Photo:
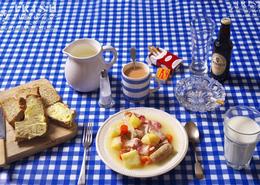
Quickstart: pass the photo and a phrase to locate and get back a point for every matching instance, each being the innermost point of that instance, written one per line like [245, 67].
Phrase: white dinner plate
[179, 134]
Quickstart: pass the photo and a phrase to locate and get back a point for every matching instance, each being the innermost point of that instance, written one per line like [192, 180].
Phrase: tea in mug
[136, 72]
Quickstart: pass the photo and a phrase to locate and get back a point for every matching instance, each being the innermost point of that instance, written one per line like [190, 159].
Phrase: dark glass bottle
[222, 51]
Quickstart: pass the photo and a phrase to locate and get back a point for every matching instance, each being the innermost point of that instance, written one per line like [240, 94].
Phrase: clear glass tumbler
[242, 132]
[202, 29]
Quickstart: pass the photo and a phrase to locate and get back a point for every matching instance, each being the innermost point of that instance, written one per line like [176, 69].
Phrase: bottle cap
[226, 21]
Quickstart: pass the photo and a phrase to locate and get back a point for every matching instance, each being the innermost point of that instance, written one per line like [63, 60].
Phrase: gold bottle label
[218, 64]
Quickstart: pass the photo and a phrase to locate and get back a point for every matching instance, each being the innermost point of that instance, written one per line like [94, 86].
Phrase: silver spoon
[194, 137]
[133, 55]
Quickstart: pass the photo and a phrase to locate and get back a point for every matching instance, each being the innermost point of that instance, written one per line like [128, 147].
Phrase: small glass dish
[200, 93]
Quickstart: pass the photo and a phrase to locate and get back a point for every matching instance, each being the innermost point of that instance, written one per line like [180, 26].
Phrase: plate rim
[186, 144]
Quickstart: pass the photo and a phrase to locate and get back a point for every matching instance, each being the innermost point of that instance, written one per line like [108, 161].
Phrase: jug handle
[114, 59]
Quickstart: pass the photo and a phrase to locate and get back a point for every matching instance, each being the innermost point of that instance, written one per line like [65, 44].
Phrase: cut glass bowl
[199, 93]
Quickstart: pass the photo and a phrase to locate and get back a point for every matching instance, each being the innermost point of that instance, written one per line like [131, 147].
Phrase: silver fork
[86, 141]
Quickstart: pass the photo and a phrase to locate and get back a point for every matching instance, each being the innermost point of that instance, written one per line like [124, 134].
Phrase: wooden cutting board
[55, 134]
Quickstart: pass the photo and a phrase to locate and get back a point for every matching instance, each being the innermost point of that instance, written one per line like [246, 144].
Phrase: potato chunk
[115, 132]
[116, 143]
[131, 159]
[135, 121]
[150, 139]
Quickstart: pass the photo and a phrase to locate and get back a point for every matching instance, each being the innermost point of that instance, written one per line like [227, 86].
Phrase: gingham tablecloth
[33, 34]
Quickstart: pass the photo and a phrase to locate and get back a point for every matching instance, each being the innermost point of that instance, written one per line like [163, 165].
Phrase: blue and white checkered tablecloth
[33, 34]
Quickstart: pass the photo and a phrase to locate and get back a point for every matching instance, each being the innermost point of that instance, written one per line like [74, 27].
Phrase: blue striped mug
[137, 89]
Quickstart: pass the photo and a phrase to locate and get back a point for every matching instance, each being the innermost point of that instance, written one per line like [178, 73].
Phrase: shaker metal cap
[104, 73]
[226, 21]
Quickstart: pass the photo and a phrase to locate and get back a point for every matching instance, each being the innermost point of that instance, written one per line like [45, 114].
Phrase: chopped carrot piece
[145, 160]
[169, 137]
[123, 129]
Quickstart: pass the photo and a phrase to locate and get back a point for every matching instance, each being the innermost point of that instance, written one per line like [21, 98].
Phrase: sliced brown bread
[49, 94]
[34, 107]
[60, 113]
[34, 123]
[29, 129]
[22, 93]
[14, 106]
[13, 110]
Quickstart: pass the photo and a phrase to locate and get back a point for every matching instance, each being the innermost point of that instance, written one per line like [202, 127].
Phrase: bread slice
[13, 110]
[34, 123]
[14, 106]
[28, 129]
[49, 94]
[23, 93]
[60, 113]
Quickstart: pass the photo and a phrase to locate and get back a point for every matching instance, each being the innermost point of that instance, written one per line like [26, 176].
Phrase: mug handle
[114, 59]
[158, 83]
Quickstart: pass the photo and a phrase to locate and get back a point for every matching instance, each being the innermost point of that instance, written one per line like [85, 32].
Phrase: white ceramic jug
[85, 62]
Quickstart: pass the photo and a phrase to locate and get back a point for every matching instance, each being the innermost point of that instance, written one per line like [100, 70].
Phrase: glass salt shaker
[105, 97]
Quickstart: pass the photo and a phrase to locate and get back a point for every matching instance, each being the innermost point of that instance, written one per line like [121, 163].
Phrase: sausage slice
[162, 153]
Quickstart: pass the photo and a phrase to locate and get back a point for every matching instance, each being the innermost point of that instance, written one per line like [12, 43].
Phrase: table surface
[33, 34]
